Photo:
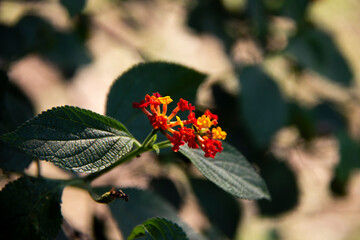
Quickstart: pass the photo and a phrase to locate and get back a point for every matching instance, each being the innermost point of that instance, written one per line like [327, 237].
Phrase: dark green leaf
[68, 53]
[36, 34]
[141, 206]
[158, 229]
[349, 157]
[30, 209]
[33, 34]
[295, 9]
[230, 171]
[222, 209]
[15, 108]
[324, 119]
[73, 6]
[258, 17]
[262, 106]
[166, 78]
[10, 44]
[304, 120]
[167, 189]
[73, 139]
[209, 16]
[316, 50]
[328, 118]
[282, 185]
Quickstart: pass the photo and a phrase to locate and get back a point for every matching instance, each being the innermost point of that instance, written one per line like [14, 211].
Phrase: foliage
[33, 207]
[158, 228]
[82, 141]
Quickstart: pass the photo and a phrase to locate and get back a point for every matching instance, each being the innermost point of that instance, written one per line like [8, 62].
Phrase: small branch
[164, 144]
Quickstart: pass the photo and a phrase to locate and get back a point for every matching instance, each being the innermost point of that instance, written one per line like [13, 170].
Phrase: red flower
[177, 141]
[210, 115]
[158, 121]
[189, 137]
[211, 147]
[199, 135]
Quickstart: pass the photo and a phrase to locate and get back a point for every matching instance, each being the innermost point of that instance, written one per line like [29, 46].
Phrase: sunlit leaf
[73, 139]
[230, 171]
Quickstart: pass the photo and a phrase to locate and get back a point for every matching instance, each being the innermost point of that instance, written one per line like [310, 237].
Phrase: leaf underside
[230, 171]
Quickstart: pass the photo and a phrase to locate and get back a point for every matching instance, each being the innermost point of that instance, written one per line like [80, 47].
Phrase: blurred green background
[282, 75]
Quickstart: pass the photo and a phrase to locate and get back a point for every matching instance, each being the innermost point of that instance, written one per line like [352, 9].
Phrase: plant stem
[38, 172]
[149, 137]
[164, 144]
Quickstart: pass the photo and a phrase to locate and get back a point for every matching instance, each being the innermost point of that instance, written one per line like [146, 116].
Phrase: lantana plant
[199, 133]
[82, 141]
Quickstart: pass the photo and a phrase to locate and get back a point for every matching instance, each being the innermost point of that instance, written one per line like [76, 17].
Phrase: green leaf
[73, 6]
[10, 44]
[147, 78]
[210, 17]
[256, 12]
[316, 50]
[158, 229]
[141, 206]
[68, 53]
[230, 171]
[262, 106]
[36, 34]
[349, 157]
[222, 209]
[15, 108]
[304, 120]
[30, 209]
[295, 9]
[284, 190]
[73, 138]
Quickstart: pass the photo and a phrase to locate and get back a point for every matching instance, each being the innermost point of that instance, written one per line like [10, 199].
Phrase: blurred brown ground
[115, 47]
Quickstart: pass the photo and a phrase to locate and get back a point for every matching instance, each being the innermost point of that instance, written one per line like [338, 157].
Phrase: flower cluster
[200, 133]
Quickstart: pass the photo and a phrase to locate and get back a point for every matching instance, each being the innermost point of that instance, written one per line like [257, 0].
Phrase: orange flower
[198, 135]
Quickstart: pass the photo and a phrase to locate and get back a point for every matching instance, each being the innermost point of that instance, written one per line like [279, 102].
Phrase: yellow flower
[204, 122]
[165, 100]
[218, 133]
